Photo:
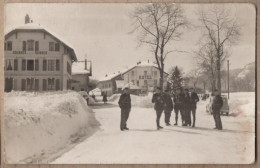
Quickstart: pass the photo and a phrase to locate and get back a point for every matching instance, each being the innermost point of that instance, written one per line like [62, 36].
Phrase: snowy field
[143, 144]
[41, 126]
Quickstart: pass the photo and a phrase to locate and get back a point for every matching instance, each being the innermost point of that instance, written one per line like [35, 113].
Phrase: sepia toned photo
[129, 83]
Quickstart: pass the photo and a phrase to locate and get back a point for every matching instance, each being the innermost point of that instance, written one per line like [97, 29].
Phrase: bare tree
[159, 24]
[193, 76]
[221, 30]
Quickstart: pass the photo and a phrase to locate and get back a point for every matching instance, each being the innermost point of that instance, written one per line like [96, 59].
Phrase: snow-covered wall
[40, 125]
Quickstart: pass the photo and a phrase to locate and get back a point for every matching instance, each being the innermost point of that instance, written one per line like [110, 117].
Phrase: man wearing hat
[125, 105]
[217, 103]
[168, 106]
[158, 101]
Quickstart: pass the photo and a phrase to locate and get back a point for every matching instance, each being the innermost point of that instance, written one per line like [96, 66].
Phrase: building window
[30, 65]
[57, 65]
[29, 84]
[23, 84]
[36, 45]
[145, 73]
[51, 46]
[57, 47]
[51, 65]
[9, 65]
[30, 45]
[24, 45]
[36, 85]
[44, 84]
[9, 46]
[51, 84]
[16, 64]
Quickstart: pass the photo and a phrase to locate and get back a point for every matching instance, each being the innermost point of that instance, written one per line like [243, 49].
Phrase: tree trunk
[161, 78]
[218, 76]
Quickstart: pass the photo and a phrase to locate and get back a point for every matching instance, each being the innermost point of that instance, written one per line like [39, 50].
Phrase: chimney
[106, 75]
[86, 66]
[27, 19]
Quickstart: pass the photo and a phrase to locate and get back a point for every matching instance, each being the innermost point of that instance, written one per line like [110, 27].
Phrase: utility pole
[228, 77]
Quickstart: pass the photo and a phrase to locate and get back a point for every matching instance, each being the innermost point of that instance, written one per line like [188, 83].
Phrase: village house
[81, 70]
[36, 59]
[140, 78]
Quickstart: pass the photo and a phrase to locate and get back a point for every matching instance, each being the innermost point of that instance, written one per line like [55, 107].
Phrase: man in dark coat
[217, 103]
[125, 105]
[186, 108]
[168, 107]
[194, 98]
[178, 100]
[158, 101]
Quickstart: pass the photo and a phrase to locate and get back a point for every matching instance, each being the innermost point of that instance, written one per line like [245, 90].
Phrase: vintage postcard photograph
[129, 83]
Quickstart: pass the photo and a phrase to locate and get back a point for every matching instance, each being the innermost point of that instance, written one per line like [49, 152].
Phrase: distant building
[141, 78]
[80, 75]
[36, 59]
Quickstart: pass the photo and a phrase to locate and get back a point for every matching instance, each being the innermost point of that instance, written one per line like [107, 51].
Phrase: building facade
[80, 75]
[36, 60]
[140, 78]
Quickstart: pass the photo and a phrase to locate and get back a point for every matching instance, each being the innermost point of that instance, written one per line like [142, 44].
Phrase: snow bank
[40, 125]
[242, 104]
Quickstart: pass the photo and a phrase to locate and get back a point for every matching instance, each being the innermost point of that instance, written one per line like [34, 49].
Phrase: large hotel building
[141, 78]
[37, 60]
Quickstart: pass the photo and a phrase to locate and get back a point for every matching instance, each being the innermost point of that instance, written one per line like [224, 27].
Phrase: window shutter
[44, 67]
[23, 64]
[36, 45]
[36, 84]
[24, 45]
[36, 65]
[15, 64]
[57, 65]
[44, 84]
[23, 84]
[57, 84]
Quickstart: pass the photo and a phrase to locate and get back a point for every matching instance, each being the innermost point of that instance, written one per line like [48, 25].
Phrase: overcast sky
[101, 31]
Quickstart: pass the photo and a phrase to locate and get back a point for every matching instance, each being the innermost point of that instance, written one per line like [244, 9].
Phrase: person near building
[168, 106]
[178, 100]
[217, 103]
[105, 97]
[194, 98]
[125, 105]
[158, 100]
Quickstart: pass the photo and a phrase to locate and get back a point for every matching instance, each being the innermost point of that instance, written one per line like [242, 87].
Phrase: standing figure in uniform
[193, 104]
[217, 103]
[186, 108]
[158, 105]
[168, 106]
[105, 98]
[125, 105]
[178, 100]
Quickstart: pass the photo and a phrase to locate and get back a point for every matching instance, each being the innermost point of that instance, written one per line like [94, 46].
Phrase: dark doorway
[8, 84]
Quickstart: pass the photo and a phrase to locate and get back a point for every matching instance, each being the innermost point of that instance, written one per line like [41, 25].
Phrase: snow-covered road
[172, 145]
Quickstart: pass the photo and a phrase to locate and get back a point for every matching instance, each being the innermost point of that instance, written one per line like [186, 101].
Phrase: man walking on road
[217, 103]
[178, 100]
[168, 107]
[193, 104]
[125, 105]
[158, 99]
[186, 108]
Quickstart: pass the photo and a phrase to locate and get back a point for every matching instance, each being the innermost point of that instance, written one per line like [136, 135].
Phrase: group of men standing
[184, 102]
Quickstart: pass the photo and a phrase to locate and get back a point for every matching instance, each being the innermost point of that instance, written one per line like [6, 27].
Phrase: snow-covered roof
[139, 64]
[33, 26]
[79, 68]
